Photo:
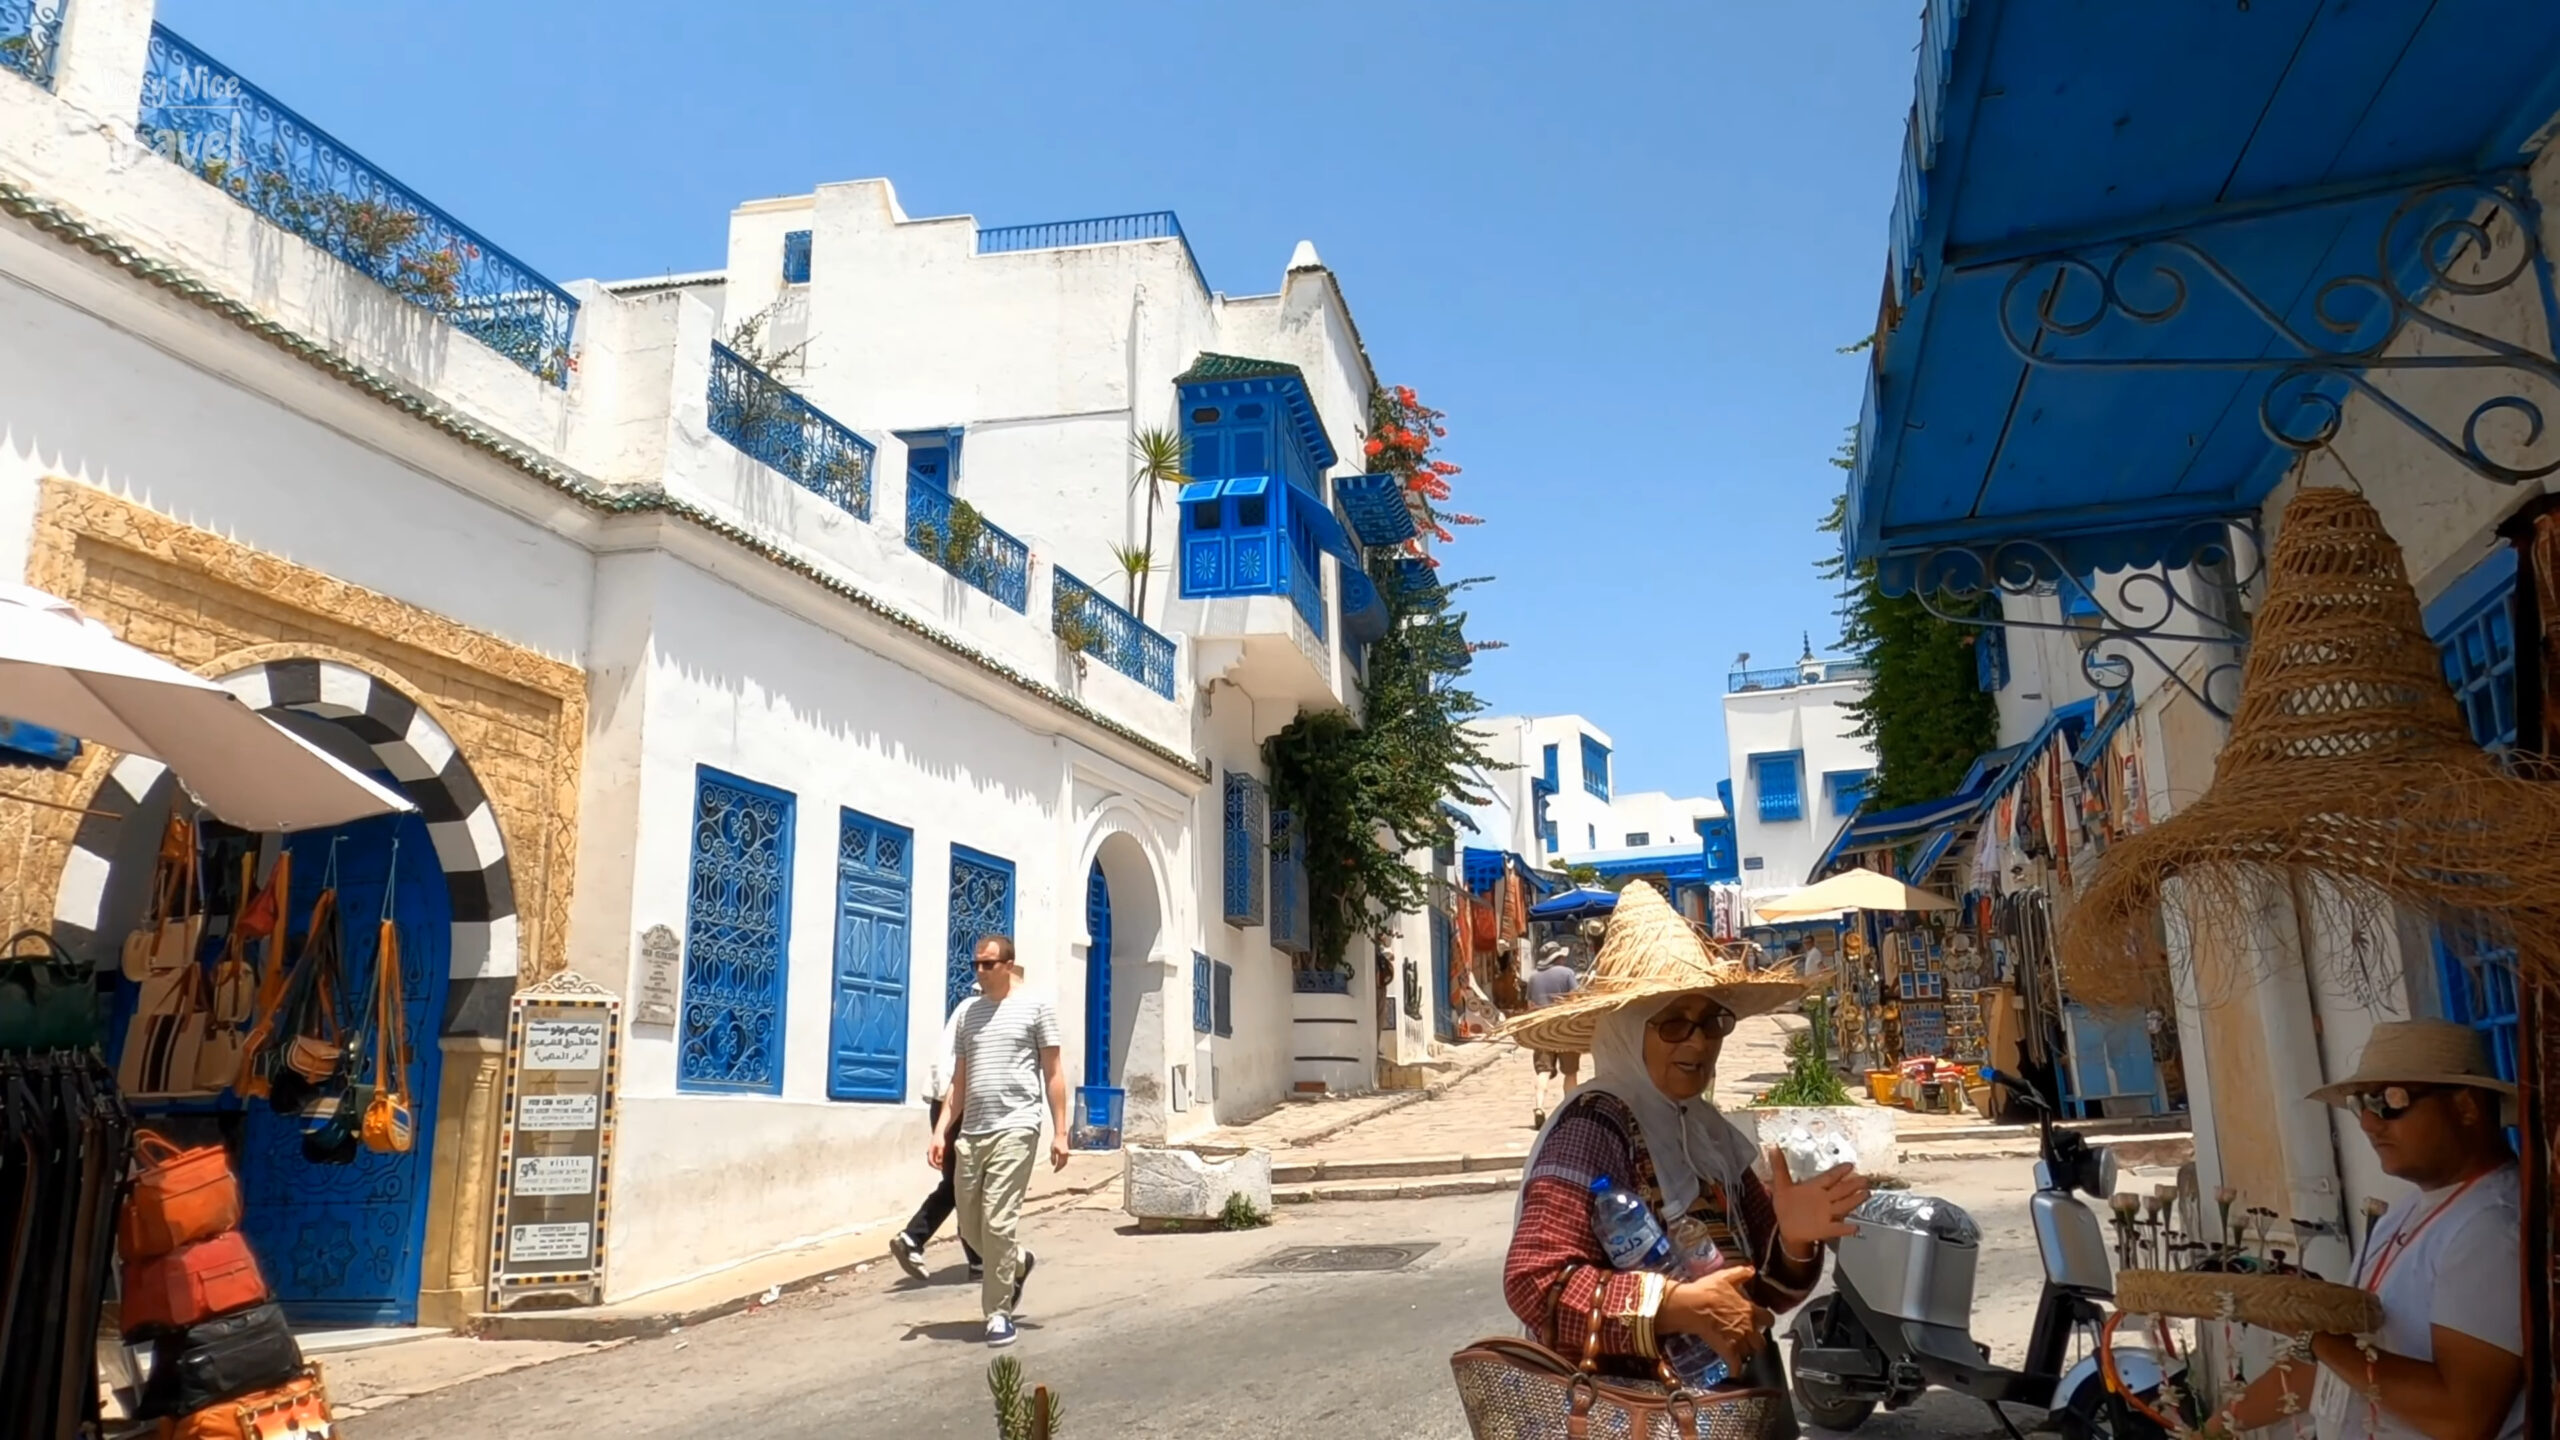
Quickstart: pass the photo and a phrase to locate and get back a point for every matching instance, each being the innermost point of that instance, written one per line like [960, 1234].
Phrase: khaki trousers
[994, 1171]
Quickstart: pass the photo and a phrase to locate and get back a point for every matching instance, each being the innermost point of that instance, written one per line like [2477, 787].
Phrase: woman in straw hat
[1653, 1016]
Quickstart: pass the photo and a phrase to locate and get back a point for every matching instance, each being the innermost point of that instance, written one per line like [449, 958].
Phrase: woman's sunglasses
[2391, 1101]
[1676, 1029]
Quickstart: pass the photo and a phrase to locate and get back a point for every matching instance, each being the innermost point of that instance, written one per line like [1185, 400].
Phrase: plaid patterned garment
[1556, 1268]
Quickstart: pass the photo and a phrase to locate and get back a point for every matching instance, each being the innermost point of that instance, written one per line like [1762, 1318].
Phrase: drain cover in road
[1338, 1259]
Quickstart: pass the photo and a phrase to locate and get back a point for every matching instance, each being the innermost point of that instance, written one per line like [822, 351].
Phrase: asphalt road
[1140, 1336]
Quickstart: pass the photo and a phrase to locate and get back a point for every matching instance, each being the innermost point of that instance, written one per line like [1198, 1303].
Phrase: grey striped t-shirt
[999, 1044]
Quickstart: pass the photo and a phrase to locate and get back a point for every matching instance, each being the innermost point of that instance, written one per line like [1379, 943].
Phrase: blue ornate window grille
[1103, 230]
[795, 258]
[2473, 625]
[981, 905]
[1991, 660]
[30, 30]
[1779, 782]
[1595, 767]
[1088, 620]
[867, 1028]
[768, 421]
[737, 936]
[1848, 789]
[952, 534]
[1248, 848]
[200, 115]
[1292, 920]
[1203, 1003]
[1320, 980]
[1222, 999]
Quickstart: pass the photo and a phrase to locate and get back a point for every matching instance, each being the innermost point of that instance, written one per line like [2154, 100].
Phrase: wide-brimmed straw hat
[2420, 1052]
[1650, 954]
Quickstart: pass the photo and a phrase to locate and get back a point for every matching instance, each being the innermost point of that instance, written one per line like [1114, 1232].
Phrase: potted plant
[1813, 1100]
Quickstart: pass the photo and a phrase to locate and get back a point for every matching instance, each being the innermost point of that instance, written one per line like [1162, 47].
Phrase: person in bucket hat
[2444, 1259]
[1653, 1015]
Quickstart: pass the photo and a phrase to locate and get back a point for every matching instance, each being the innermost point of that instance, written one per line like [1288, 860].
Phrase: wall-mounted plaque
[555, 1146]
[660, 956]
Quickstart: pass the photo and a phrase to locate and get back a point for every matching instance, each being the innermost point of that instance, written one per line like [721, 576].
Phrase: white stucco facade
[232, 378]
[1798, 717]
[1585, 813]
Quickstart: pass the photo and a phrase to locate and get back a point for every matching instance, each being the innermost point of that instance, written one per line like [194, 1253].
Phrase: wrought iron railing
[1103, 230]
[952, 534]
[1306, 590]
[768, 421]
[1306, 980]
[1087, 621]
[1817, 672]
[29, 31]
[252, 147]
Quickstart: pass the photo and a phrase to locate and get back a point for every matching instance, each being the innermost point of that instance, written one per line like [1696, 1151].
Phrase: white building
[1557, 800]
[1798, 771]
[662, 648]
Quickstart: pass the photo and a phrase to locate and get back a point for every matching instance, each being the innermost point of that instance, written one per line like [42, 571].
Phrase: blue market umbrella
[1575, 905]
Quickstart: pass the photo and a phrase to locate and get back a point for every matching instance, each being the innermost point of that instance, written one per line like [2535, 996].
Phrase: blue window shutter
[1779, 780]
[1222, 1003]
[981, 905]
[867, 1035]
[737, 942]
[1248, 849]
[1551, 767]
[1203, 1002]
[795, 258]
[1595, 767]
[1291, 912]
[1848, 789]
[2473, 625]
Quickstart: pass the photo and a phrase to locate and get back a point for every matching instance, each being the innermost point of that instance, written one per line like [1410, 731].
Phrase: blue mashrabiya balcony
[2122, 304]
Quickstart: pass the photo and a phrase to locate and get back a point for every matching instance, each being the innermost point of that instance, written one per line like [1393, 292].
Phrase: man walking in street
[1553, 980]
[2444, 1260]
[1006, 1041]
[907, 1246]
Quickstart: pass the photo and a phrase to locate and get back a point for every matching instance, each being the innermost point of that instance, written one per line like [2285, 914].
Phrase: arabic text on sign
[564, 1045]
[556, 1112]
[527, 1244]
[555, 1175]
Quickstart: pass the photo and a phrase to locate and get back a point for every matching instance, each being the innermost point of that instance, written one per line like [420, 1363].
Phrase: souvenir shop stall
[1492, 920]
[231, 1059]
[1933, 994]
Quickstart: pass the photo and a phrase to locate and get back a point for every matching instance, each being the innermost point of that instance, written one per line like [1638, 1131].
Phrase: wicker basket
[2287, 1304]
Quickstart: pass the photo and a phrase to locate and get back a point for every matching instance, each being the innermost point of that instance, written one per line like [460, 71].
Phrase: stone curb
[1464, 1070]
[380, 1398]
[1436, 1189]
[1413, 1167]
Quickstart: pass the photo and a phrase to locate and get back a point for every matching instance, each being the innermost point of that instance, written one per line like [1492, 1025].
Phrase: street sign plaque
[555, 1146]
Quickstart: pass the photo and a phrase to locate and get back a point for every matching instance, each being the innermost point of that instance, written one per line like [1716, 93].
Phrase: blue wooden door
[981, 905]
[340, 1244]
[1097, 979]
[1444, 1021]
[867, 1034]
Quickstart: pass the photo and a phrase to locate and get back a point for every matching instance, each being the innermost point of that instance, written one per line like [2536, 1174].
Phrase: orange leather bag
[191, 1283]
[296, 1410]
[179, 1197]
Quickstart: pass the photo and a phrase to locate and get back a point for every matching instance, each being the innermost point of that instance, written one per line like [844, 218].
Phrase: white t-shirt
[999, 1044]
[2461, 1272]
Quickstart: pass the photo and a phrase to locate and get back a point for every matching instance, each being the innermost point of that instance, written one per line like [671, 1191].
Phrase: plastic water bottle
[1634, 1240]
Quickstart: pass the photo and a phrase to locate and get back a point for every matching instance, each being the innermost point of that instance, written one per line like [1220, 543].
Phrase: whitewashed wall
[1815, 720]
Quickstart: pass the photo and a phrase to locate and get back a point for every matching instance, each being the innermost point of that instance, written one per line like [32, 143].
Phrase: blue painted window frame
[860, 842]
[960, 943]
[1783, 801]
[1595, 767]
[2473, 626]
[699, 978]
[1847, 789]
[1203, 1011]
[795, 257]
[1551, 776]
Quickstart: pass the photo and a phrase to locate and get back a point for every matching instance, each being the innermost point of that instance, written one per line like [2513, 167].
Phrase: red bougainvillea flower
[1375, 445]
[1442, 534]
[1443, 467]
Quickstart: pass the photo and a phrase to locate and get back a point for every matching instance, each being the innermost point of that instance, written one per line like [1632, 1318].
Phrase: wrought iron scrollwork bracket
[2450, 241]
[2141, 613]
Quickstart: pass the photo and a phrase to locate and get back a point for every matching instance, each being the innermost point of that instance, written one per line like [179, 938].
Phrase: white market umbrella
[1852, 890]
[64, 671]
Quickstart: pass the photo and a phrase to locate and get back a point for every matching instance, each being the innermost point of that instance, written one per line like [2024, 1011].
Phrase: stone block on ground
[1162, 1184]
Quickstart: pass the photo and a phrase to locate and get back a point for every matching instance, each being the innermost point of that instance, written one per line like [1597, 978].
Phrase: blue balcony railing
[956, 537]
[238, 138]
[29, 30]
[1310, 981]
[1306, 591]
[767, 421]
[1086, 619]
[1812, 672]
[1104, 230]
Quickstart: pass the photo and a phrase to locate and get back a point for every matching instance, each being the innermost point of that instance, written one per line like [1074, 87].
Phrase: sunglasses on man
[2391, 1101]
[1676, 1029]
[992, 964]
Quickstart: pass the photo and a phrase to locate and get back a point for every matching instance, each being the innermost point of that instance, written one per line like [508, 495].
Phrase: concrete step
[2141, 1150]
[1299, 1172]
[1920, 1128]
[1436, 1188]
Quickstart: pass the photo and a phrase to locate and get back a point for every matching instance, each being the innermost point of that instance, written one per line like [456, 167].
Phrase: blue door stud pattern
[867, 1030]
[1097, 979]
[981, 905]
[342, 1244]
[737, 936]
[2473, 625]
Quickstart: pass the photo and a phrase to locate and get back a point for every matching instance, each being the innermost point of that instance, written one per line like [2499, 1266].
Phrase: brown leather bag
[1516, 1389]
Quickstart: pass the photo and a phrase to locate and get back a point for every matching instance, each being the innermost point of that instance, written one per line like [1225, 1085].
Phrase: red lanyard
[2401, 1240]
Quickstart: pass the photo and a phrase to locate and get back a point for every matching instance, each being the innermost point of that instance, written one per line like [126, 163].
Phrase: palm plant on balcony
[1158, 456]
[1136, 562]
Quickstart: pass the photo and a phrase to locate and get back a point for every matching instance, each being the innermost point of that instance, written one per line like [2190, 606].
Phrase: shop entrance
[341, 1244]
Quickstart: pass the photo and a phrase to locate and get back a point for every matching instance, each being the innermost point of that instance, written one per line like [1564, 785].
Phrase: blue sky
[1620, 249]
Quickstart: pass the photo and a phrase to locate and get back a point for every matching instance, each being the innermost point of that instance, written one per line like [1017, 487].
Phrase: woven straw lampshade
[2348, 761]
[1650, 954]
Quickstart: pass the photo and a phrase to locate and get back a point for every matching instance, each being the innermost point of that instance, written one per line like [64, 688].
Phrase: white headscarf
[1690, 1141]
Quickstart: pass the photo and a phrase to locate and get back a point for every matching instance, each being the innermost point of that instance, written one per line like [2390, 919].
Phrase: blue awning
[2202, 172]
[1938, 825]
[1482, 867]
[1375, 505]
[1318, 520]
[1687, 867]
[1575, 905]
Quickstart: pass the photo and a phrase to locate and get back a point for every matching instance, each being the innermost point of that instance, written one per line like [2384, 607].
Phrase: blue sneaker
[999, 1331]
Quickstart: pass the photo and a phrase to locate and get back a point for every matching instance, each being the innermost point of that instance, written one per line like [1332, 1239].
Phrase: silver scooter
[1898, 1318]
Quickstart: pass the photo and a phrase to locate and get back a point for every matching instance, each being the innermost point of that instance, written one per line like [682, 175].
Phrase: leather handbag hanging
[296, 1410]
[243, 1353]
[1516, 1389]
[191, 1284]
[48, 1001]
[388, 1127]
[274, 903]
[178, 1198]
[165, 1036]
[234, 982]
[175, 927]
